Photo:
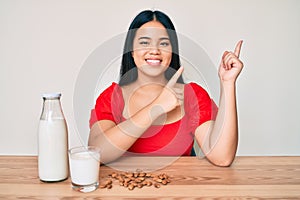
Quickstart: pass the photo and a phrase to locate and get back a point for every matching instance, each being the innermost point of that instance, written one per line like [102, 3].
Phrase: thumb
[175, 77]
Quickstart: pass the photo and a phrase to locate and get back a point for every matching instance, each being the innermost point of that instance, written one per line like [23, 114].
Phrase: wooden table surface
[191, 178]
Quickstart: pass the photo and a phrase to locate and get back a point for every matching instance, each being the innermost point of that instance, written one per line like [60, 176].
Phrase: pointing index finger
[175, 77]
[238, 47]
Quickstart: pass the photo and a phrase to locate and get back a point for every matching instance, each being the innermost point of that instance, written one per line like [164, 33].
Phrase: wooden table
[191, 178]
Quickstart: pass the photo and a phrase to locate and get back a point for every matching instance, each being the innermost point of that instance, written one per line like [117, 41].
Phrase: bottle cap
[51, 95]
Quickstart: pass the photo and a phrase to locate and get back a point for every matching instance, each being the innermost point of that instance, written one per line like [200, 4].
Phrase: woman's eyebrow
[149, 38]
[144, 37]
[164, 38]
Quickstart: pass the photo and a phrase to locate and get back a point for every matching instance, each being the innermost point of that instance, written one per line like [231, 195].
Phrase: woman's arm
[115, 139]
[219, 139]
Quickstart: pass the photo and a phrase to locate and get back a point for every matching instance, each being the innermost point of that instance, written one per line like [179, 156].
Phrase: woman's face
[152, 49]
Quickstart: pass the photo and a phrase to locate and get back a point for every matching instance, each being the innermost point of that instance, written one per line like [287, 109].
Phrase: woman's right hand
[172, 94]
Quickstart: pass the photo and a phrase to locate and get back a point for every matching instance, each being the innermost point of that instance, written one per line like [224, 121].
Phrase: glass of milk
[84, 168]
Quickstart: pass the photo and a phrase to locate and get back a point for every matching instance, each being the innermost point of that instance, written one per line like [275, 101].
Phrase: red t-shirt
[174, 139]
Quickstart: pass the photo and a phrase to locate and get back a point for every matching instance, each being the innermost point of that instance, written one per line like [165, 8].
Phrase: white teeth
[153, 61]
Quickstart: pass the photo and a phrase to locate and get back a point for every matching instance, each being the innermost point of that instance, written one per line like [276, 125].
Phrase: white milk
[84, 167]
[53, 150]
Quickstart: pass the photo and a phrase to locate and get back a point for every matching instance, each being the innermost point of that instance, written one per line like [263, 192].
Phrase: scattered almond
[137, 179]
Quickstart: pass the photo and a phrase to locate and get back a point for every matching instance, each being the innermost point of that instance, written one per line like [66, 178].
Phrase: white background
[44, 44]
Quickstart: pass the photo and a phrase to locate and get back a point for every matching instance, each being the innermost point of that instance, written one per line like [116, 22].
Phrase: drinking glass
[84, 168]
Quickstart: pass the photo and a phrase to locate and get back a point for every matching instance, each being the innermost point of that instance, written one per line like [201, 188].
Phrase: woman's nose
[154, 50]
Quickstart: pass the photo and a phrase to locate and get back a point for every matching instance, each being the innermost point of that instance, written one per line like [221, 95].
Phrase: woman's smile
[153, 61]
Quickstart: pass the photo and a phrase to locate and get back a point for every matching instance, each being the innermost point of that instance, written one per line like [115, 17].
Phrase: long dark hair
[128, 64]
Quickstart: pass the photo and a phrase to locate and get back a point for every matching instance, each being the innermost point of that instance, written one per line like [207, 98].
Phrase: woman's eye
[164, 44]
[144, 43]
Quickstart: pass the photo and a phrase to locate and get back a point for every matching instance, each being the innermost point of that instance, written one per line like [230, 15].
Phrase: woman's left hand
[231, 65]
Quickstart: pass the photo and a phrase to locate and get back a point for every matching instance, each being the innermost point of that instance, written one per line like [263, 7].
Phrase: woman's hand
[172, 94]
[231, 65]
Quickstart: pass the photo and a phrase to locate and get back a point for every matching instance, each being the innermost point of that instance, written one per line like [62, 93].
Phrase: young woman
[151, 111]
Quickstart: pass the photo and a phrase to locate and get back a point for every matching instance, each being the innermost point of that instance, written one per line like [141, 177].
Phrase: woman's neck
[146, 80]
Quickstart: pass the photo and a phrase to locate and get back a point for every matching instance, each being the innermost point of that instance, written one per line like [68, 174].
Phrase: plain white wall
[44, 44]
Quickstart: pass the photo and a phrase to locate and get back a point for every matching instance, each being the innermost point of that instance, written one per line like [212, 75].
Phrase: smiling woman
[164, 25]
[151, 111]
[152, 50]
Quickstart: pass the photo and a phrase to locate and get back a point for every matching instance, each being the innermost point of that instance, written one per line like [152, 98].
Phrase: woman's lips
[153, 62]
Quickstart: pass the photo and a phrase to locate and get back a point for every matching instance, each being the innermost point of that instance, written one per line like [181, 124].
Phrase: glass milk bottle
[52, 141]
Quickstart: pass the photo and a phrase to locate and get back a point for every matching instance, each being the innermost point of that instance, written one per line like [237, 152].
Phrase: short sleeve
[108, 105]
[199, 105]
